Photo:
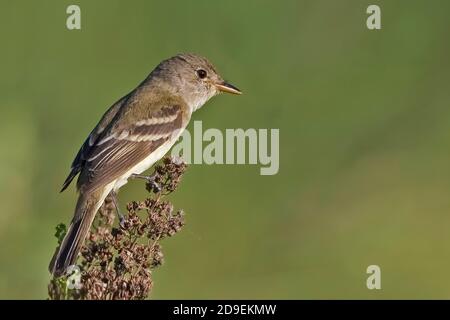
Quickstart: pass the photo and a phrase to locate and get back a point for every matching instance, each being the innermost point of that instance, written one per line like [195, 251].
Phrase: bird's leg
[116, 204]
[151, 180]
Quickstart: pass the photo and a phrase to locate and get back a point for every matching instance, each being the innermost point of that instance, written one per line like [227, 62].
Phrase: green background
[364, 123]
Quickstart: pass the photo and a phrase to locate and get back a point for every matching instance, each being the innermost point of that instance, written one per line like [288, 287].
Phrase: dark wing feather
[116, 153]
[85, 149]
[77, 163]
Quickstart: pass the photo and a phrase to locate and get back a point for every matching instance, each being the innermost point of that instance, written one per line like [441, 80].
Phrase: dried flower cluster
[117, 262]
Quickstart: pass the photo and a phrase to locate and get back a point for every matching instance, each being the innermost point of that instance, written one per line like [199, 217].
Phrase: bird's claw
[152, 185]
[121, 220]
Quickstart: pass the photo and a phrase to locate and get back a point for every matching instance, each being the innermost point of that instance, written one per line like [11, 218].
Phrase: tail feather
[67, 253]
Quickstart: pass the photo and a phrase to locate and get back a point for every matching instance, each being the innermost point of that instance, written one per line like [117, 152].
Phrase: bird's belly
[146, 163]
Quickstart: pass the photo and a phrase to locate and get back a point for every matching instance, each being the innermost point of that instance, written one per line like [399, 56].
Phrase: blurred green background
[364, 123]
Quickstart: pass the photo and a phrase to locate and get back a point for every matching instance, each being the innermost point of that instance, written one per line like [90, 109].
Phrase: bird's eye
[201, 73]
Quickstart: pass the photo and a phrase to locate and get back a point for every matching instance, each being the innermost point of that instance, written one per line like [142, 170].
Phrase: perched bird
[132, 135]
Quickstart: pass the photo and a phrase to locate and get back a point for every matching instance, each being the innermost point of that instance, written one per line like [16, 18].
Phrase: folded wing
[117, 152]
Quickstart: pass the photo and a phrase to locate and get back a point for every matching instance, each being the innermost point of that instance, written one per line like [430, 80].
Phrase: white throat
[195, 105]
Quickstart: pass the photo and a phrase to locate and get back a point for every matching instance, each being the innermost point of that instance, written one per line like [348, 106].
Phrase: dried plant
[117, 262]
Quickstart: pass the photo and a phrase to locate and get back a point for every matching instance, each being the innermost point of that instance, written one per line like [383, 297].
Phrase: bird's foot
[119, 213]
[151, 181]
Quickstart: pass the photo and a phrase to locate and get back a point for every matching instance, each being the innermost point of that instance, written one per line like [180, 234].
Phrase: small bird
[133, 134]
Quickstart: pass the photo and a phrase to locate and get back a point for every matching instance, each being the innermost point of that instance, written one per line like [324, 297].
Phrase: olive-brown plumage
[132, 135]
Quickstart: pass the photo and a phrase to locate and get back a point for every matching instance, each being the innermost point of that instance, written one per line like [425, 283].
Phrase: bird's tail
[67, 253]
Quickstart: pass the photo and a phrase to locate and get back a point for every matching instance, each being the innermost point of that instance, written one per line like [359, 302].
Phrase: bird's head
[194, 78]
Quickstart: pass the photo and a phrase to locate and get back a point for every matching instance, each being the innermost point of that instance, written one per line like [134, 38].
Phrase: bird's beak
[227, 87]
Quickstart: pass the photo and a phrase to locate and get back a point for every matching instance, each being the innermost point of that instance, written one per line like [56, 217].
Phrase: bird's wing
[85, 149]
[129, 142]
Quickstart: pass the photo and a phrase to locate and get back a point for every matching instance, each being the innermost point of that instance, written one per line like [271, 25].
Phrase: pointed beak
[227, 87]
